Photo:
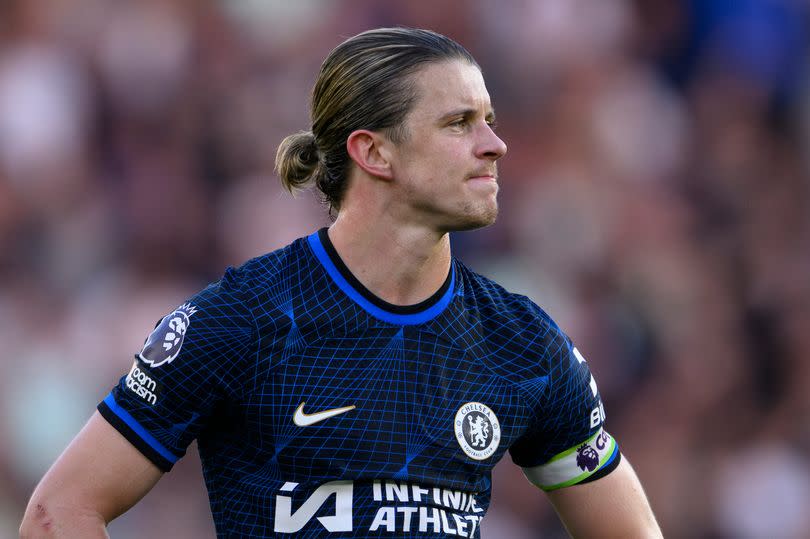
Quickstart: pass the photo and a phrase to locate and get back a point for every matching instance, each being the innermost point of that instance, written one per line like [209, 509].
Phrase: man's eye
[459, 123]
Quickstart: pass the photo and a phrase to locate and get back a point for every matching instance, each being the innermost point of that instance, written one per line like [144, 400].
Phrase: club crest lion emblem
[477, 429]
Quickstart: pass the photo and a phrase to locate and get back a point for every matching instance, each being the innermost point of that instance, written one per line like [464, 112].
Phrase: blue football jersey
[321, 410]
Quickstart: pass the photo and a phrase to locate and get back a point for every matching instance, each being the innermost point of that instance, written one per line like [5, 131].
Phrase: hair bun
[297, 160]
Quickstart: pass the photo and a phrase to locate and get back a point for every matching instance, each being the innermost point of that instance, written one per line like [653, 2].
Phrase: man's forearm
[613, 506]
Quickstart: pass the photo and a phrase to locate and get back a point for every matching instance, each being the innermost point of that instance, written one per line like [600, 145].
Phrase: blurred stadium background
[655, 200]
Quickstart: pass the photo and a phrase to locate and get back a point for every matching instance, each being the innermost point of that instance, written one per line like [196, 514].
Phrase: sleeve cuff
[129, 427]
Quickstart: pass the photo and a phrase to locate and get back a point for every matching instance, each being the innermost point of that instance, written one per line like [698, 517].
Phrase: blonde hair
[364, 83]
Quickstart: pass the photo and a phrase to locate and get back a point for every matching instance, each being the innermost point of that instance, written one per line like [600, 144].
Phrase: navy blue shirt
[320, 409]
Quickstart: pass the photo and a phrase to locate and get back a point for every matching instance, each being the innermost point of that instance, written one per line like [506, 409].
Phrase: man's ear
[369, 152]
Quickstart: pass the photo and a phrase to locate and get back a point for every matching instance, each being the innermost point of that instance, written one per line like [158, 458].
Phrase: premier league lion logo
[587, 458]
[165, 342]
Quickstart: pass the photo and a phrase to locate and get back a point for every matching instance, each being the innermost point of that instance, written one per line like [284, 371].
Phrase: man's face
[446, 165]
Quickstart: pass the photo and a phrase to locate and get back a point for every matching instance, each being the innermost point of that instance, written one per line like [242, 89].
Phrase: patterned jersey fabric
[320, 409]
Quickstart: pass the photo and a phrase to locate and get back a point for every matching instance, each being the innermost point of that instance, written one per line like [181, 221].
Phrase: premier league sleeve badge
[164, 343]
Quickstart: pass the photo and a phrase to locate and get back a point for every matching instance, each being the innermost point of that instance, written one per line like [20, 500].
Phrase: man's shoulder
[255, 283]
[521, 341]
[510, 323]
[269, 269]
[499, 304]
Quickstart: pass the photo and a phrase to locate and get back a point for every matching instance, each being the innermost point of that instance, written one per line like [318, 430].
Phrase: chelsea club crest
[477, 430]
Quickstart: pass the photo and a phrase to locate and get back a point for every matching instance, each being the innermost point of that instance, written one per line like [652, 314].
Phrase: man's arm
[97, 478]
[613, 506]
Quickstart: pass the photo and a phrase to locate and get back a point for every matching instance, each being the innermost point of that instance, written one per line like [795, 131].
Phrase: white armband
[576, 464]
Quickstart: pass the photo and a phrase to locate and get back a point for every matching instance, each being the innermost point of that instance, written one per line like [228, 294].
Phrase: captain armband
[594, 458]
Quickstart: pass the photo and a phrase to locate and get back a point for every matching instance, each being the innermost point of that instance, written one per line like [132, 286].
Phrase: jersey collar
[419, 313]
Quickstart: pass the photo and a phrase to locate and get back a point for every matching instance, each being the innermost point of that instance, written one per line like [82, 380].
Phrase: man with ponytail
[361, 381]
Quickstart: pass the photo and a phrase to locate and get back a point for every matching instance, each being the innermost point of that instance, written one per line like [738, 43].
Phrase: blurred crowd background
[655, 201]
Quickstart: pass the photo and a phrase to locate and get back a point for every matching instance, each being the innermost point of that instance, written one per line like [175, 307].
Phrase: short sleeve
[566, 443]
[193, 360]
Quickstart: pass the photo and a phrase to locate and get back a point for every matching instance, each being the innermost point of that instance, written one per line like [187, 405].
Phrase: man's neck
[400, 265]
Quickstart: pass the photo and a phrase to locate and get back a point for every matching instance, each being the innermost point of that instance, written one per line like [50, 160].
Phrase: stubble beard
[467, 215]
[476, 216]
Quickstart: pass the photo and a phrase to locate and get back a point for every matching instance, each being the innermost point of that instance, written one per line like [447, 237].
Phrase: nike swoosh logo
[304, 420]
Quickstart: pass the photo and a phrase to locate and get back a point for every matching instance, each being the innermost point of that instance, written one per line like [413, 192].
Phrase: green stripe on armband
[576, 464]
